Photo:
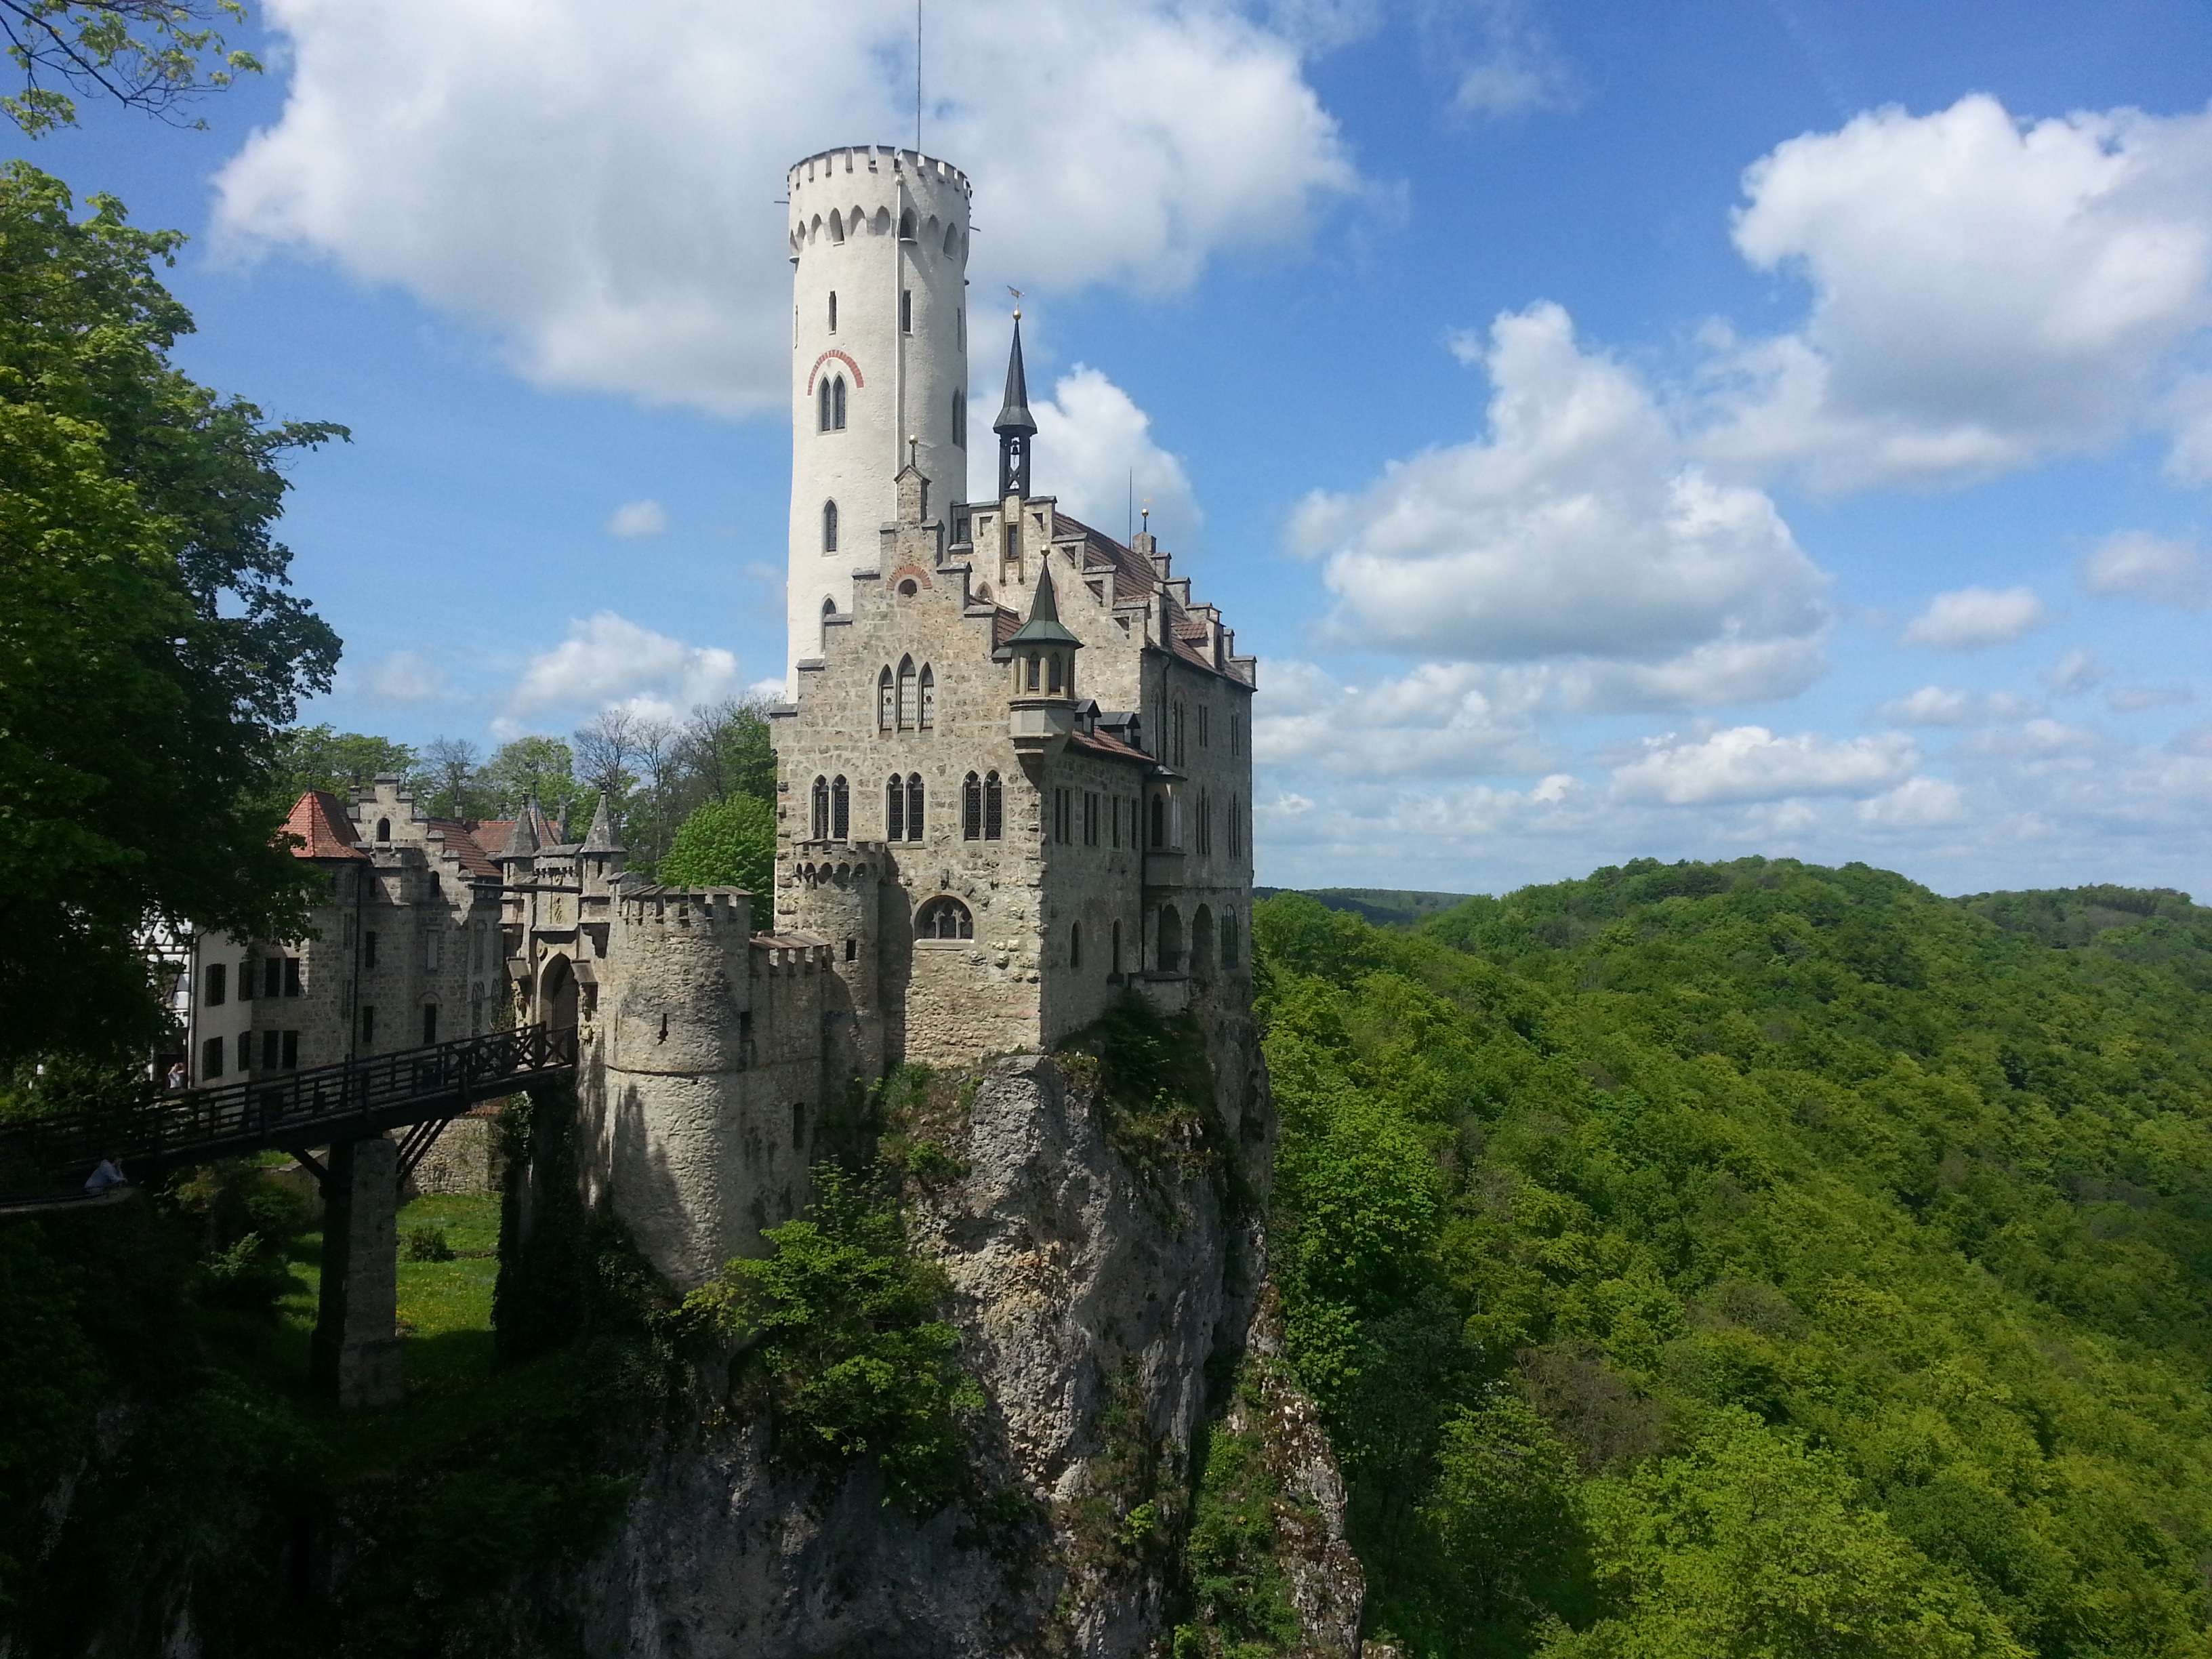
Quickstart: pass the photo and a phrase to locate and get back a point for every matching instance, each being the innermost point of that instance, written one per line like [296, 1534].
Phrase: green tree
[322, 757]
[726, 843]
[149, 55]
[543, 768]
[452, 770]
[149, 646]
[727, 751]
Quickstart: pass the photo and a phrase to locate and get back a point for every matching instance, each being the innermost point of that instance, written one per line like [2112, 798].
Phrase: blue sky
[1761, 426]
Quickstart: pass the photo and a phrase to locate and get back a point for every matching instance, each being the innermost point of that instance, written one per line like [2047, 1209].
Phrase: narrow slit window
[840, 811]
[913, 806]
[895, 809]
[994, 808]
[820, 809]
[886, 707]
[833, 308]
[906, 311]
[830, 528]
[928, 715]
[971, 808]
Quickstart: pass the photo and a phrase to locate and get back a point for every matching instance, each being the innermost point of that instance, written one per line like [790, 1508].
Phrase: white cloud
[1939, 705]
[2077, 671]
[635, 518]
[1985, 294]
[2134, 699]
[603, 197]
[1575, 533]
[1514, 70]
[1750, 763]
[1441, 719]
[406, 676]
[1092, 441]
[2148, 567]
[1974, 618]
[608, 660]
[1916, 803]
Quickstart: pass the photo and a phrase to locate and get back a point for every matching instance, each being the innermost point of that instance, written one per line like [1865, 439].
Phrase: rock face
[1106, 1286]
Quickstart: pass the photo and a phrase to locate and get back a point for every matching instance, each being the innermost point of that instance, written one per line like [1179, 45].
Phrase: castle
[1015, 785]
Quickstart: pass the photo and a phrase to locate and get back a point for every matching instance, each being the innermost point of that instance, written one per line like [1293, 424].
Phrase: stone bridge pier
[354, 1358]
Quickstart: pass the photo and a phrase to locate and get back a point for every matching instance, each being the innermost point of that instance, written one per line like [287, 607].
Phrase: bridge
[351, 1108]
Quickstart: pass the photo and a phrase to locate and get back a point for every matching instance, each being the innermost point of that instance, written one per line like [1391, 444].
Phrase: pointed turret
[1015, 426]
[600, 837]
[522, 841]
[541, 826]
[1044, 626]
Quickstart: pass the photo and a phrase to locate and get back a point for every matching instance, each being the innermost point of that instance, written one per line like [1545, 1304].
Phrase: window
[927, 716]
[272, 1044]
[1203, 740]
[837, 404]
[291, 986]
[1228, 938]
[828, 609]
[1052, 674]
[960, 328]
[215, 983]
[906, 693]
[971, 808]
[1235, 734]
[433, 950]
[959, 420]
[272, 977]
[246, 1051]
[820, 809]
[1235, 827]
[944, 918]
[1089, 818]
[1115, 966]
[384, 828]
[1033, 671]
[1205, 822]
[905, 226]
[290, 1051]
[1060, 814]
[822, 410]
[829, 538]
[841, 812]
[1075, 945]
[367, 1026]
[368, 950]
[886, 706]
[833, 292]
[906, 311]
[429, 1024]
[210, 1059]
[1159, 820]
[895, 809]
[994, 807]
[1176, 724]
[913, 807]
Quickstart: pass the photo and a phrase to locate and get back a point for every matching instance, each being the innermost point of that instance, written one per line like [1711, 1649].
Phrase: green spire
[1043, 626]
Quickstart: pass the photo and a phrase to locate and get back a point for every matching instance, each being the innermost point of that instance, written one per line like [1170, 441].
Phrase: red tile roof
[1099, 742]
[463, 846]
[324, 827]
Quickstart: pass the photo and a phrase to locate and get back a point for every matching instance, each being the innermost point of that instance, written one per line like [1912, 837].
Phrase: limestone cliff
[1106, 1277]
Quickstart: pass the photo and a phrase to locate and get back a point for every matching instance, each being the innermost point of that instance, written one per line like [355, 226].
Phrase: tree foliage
[1757, 1259]
[150, 55]
[149, 646]
[726, 843]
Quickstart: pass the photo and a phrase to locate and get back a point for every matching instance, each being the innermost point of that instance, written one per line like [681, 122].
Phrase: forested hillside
[1758, 1259]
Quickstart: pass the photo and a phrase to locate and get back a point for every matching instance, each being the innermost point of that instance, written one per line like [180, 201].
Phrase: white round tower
[879, 355]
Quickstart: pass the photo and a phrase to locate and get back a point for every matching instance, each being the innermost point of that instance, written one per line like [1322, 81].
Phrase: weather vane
[1017, 293]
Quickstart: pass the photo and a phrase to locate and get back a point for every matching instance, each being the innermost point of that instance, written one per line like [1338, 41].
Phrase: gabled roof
[324, 826]
[463, 846]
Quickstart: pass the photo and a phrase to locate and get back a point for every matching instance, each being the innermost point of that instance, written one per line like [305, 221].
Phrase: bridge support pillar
[355, 1356]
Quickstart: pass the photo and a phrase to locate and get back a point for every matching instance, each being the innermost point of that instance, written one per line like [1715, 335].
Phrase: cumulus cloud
[607, 661]
[1974, 618]
[2147, 567]
[635, 518]
[603, 198]
[1986, 293]
[1441, 719]
[406, 676]
[1094, 445]
[2077, 671]
[1939, 705]
[1576, 531]
[1751, 763]
[1504, 66]
[2134, 699]
[1916, 803]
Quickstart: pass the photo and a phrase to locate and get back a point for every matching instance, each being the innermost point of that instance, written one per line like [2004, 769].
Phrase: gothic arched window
[822, 421]
[384, 828]
[971, 808]
[829, 526]
[820, 809]
[837, 404]
[1075, 945]
[927, 717]
[886, 709]
[944, 918]
[905, 226]
[1052, 674]
[994, 807]
[913, 806]
[895, 809]
[840, 811]
[906, 693]
[1032, 684]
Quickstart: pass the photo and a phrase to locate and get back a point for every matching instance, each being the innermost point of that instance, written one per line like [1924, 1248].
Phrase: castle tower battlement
[879, 241]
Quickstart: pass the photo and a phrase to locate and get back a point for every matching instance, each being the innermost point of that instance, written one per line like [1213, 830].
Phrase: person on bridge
[108, 1174]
